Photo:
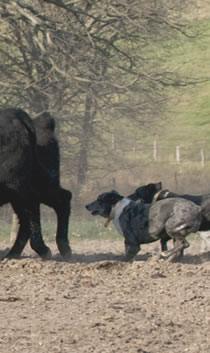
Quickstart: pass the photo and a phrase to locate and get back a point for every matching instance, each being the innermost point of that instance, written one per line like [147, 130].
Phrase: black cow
[29, 176]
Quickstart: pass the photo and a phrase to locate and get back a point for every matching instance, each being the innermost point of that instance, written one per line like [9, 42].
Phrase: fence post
[14, 228]
[202, 158]
[113, 142]
[155, 150]
[178, 154]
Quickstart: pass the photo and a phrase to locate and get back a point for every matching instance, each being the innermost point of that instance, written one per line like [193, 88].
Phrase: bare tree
[92, 64]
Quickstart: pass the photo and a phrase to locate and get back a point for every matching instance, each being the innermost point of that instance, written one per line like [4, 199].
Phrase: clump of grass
[5, 230]
[92, 230]
[78, 230]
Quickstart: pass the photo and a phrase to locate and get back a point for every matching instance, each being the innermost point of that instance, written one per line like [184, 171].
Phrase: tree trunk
[84, 144]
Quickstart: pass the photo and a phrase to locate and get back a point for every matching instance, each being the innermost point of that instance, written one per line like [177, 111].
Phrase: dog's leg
[131, 247]
[130, 252]
[180, 253]
[174, 254]
[163, 244]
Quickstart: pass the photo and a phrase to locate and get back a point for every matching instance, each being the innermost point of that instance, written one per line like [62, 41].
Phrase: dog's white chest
[118, 212]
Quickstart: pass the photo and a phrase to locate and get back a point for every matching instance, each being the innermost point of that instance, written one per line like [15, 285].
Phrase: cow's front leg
[60, 200]
[63, 211]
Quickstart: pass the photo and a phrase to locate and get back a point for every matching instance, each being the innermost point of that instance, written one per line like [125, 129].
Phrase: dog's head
[102, 206]
[146, 192]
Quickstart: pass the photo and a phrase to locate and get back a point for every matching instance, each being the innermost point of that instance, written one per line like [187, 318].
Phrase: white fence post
[202, 158]
[14, 228]
[155, 150]
[178, 154]
[113, 142]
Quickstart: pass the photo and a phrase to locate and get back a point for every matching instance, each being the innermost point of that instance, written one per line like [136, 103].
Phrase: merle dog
[142, 223]
[153, 192]
[29, 176]
[146, 193]
[200, 200]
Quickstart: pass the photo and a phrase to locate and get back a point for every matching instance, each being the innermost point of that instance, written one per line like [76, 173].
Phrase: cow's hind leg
[22, 234]
[29, 228]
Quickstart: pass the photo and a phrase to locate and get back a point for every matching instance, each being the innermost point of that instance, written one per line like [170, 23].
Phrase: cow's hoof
[64, 250]
[47, 255]
[10, 254]
[67, 256]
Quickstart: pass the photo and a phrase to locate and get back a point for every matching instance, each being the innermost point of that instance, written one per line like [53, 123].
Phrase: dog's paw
[130, 252]
[127, 258]
[171, 256]
[164, 255]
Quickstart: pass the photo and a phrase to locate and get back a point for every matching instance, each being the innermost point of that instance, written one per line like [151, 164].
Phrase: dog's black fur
[29, 176]
[146, 192]
[142, 223]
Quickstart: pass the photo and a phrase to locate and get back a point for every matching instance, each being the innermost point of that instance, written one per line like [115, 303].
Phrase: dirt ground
[98, 304]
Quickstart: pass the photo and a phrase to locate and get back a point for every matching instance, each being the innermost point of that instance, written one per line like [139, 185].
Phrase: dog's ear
[115, 192]
[115, 196]
[159, 186]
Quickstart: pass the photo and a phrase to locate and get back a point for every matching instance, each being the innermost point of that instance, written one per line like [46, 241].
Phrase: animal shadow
[196, 259]
[98, 257]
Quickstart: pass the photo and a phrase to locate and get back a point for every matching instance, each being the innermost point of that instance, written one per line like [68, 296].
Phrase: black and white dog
[146, 193]
[142, 223]
[153, 192]
[200, 200]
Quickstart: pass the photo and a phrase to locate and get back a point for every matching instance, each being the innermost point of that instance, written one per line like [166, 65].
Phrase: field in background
[184, 127]
[186, 124]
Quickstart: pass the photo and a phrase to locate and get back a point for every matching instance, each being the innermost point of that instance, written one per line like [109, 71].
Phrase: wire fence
[151, 162]
[164, 151]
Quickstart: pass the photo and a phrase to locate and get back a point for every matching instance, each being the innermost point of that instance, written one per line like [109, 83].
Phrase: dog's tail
[205, 212]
